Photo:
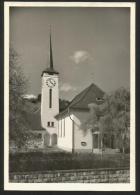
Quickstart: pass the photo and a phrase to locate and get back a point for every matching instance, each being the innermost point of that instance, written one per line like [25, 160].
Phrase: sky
[90, 45]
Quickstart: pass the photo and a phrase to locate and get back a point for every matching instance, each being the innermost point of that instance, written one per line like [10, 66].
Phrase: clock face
[50, 82]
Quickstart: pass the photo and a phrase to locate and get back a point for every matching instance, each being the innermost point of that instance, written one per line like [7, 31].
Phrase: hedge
[22, 162]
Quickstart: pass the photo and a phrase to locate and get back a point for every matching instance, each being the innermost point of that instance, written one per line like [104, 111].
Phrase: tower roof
[50, 69]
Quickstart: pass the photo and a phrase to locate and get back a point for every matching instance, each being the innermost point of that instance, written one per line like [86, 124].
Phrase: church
[65, 129]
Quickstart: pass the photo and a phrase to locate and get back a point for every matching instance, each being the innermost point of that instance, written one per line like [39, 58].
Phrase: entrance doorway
[54, 139]
[46, 139]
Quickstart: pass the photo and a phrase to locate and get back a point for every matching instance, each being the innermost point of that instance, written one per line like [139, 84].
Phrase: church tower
[50, 99]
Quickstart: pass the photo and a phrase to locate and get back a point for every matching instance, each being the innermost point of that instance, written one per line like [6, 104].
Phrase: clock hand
[52, 82]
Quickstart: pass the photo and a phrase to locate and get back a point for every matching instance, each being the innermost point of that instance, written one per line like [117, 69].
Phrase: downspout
[72, 131]
[73, 137]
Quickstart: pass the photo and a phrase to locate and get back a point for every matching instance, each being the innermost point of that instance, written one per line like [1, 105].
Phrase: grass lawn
[39, 161]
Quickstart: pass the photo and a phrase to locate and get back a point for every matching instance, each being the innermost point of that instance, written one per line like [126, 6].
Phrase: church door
[54, 139]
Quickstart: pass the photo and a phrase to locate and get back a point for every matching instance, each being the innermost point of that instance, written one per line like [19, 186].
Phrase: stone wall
[111, 175]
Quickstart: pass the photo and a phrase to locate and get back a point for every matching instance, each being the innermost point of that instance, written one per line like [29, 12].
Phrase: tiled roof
[92, 94]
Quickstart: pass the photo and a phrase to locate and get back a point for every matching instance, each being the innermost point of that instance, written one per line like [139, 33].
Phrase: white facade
[82, 136]
[64, 133]
[48, 112]
[72, 136]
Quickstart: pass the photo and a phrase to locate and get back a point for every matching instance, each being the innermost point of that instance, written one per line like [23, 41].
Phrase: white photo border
[72, 186]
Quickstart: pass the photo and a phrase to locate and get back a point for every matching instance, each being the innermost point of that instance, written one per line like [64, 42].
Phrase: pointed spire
[50, 68]
[51, 55]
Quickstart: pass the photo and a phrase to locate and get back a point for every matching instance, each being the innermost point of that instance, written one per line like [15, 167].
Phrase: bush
[38, 161]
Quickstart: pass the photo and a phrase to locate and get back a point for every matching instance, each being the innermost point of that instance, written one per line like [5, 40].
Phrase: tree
[111, 118]
[17, 87]
[93, 119]
[116, 116]
[91, 123]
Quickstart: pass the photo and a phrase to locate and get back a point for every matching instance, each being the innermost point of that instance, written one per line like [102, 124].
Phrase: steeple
[51, 55]
[50, 68]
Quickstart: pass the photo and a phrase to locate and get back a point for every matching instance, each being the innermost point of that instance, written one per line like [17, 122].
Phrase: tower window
[50, 98]
[50, 124]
